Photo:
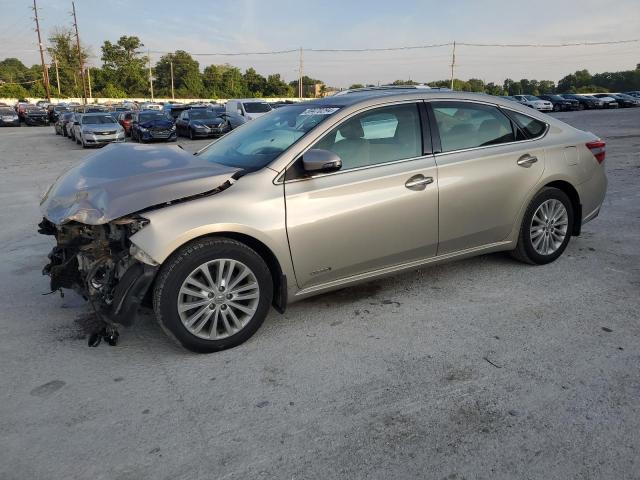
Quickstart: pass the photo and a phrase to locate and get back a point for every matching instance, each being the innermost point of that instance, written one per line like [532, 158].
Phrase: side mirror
[318, 160]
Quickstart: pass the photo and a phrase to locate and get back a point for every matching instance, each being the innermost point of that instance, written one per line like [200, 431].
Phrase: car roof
[369, 96]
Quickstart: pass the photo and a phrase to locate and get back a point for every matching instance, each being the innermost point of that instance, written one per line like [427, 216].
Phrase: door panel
[481, 193]
[360, 220]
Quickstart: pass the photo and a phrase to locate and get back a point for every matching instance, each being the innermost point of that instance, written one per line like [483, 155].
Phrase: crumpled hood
[123, 179]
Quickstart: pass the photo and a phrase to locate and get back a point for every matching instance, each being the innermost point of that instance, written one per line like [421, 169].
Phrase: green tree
[356, 85]
[256, 83]
[112, 91]
[9, 90]
[277, 87]
[124, 65]
[63, 50]
[186, 74]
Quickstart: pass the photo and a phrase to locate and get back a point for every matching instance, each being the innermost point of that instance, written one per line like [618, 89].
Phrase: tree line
[125, 74]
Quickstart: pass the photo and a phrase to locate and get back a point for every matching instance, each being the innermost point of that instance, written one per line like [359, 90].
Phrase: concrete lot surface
[481, 369]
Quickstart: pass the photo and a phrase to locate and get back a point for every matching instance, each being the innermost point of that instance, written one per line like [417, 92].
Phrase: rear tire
[549, 220]
[229, 322]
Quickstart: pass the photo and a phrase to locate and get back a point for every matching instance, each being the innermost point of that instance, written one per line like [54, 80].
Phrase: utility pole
[45, 72]
[75, 25]
[453, 62]
[150, 76]
[55, 61]
[89, 79]
[173, 97]
[300, 81]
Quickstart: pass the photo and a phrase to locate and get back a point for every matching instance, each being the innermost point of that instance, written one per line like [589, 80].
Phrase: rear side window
[532, 127]
[465, 125]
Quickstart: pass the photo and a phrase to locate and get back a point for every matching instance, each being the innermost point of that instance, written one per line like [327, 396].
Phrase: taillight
[597, 149]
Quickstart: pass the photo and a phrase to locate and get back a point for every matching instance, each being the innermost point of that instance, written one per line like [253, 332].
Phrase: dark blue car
[152, 125]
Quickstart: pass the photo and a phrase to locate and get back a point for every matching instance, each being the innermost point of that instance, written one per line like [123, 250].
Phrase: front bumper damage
[99, 263]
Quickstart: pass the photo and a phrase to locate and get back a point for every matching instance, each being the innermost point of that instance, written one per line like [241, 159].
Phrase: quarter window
[465, 125]
[377, 136]
[532, 127]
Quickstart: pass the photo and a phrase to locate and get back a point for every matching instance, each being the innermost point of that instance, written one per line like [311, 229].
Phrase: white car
[150, 106]
[534, 102]
[249, 108]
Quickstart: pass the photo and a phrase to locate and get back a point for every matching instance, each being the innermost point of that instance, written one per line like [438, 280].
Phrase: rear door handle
[418, 182]
[527, 160]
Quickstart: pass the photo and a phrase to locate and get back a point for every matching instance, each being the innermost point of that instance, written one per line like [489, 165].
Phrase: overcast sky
[199, 26]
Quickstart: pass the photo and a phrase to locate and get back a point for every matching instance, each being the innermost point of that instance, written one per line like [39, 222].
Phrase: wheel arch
[573, 195]
[279, 300]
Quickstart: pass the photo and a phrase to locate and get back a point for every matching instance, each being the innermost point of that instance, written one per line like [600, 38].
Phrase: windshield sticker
[320, 111]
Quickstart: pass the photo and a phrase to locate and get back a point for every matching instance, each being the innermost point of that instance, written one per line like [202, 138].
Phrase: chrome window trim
[279, 179]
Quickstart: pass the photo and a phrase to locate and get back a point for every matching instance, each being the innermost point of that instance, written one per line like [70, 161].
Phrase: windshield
[149, 116]
[259, 142]
[202, 114]
[555, 97]
[531, 97]
[97, 119]
[6, 111]
[257, 107]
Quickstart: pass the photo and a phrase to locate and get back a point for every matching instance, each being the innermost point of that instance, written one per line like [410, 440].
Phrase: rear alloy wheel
[213, 294]
[546, 227]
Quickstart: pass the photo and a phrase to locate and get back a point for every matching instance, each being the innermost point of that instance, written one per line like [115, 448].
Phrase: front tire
[212, 294]
[546, 227]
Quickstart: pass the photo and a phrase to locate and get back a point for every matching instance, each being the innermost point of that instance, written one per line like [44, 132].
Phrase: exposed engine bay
[100, 263]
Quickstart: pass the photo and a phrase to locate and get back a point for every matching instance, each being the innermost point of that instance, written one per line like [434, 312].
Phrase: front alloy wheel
[213, 294]
[546, 227]
[218, 299]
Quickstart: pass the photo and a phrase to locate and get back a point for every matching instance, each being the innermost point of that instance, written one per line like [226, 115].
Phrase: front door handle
[418, 182]
[527, 160]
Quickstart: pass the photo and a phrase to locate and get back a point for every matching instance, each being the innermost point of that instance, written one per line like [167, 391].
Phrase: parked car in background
[202, 122]
[635, 93]
[152, 125]
[20, 109]
[151, 106]
[42, 104]
[73, 124]
[625, 101]
[249, 108]
[62, 124]
[8, 117]
[534, 102]
[35, 116]
[609, 101]
[584, 102]
[54, 111]
[561, 104]
[96, 129]
[125, 119]
[286, 206]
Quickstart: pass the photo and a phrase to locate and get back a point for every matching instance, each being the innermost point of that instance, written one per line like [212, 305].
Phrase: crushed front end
[101, 264]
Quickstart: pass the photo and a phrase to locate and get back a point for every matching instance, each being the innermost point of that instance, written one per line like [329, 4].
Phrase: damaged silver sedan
[312, 198]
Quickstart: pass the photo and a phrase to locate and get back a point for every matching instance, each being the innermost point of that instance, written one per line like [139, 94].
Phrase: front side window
[465, 125]
[377, 136]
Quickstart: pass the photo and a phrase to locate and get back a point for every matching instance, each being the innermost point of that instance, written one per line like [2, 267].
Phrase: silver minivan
[316, 197]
